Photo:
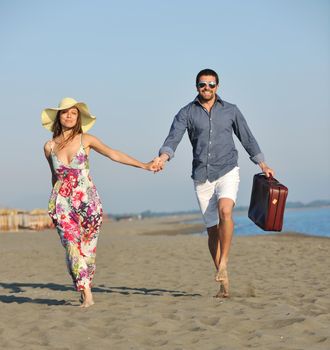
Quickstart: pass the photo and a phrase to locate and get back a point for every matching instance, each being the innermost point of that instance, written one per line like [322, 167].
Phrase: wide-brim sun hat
[48, 115]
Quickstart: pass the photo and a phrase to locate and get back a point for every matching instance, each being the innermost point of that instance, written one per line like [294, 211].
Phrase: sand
[154, 289]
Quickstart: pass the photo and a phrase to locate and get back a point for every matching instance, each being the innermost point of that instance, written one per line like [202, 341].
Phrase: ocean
[311, 221]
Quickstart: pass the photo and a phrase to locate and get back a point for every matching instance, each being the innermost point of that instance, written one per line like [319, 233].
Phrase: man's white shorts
[209, 193]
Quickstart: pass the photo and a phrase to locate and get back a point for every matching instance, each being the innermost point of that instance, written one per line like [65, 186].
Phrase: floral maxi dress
[76, 211]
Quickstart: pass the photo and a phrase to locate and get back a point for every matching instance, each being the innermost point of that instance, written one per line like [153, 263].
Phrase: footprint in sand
[210, 321]
[147, 323]
[284, 323]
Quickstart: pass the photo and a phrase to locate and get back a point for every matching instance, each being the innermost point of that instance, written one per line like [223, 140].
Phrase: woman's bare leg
[87, 297]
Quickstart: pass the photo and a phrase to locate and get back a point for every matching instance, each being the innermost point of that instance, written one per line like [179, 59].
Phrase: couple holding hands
[75, 206]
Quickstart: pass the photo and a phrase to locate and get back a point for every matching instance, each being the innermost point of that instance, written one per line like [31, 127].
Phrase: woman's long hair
[57, 129]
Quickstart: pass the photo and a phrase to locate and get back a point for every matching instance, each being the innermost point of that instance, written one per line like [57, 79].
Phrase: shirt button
[211, 130]
[209, 154]
[210, 142]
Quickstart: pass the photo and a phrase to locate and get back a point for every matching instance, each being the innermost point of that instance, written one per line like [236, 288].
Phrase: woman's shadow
[18, 287]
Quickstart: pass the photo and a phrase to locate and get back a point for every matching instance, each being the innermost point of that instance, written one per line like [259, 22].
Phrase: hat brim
[48, 116]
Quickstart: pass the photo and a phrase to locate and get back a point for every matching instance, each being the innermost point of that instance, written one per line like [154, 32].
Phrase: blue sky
[134, 64]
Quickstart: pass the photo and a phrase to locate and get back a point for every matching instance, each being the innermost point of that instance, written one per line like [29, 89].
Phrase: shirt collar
[218, 99]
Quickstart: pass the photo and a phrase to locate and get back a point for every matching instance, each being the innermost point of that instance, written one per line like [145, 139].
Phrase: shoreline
[168, 226]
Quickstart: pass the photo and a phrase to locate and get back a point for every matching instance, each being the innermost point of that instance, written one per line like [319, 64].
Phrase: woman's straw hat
[48, 115]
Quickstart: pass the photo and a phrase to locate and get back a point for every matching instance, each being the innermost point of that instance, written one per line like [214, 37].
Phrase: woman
[74, 204]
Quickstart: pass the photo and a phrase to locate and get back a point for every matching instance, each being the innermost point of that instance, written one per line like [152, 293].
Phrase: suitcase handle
[263, 174]
[270, 178]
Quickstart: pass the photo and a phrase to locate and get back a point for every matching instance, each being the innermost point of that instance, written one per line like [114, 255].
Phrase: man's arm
[244, 134]
[177, 130]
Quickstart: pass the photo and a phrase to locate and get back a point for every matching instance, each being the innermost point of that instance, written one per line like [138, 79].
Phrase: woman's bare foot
[81, 299]
[87, 298]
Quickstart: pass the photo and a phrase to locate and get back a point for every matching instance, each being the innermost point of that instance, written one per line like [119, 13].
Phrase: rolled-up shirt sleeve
[258, 158]
[244, 134]
[177, 130]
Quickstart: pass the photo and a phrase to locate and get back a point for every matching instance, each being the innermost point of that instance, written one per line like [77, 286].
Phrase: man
[210, 123]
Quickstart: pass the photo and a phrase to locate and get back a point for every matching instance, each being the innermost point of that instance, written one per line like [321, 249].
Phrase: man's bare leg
[214, 244]
[214, 247]
[225, 230]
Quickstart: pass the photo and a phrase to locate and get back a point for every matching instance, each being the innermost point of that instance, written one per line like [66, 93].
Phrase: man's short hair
[207, 71]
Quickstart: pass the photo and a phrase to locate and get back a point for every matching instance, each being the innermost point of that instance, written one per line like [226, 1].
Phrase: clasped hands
[157, 164]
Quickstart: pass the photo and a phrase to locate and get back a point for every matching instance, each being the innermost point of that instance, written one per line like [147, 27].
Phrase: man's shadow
[18, 287]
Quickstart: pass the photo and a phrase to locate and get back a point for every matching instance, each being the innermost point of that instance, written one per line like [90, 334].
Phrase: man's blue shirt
[211, 136]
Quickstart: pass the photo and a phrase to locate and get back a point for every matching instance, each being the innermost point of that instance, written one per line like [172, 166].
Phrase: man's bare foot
[87, 298]
[222, 278]
[222, 293]
[221, 274]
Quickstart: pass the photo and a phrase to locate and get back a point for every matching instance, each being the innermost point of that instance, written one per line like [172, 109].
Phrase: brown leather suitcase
[267, 202]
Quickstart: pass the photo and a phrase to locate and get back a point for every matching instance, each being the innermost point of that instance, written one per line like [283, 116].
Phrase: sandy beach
[154, 288]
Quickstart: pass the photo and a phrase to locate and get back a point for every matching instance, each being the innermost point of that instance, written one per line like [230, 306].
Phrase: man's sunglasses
[211, 84]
